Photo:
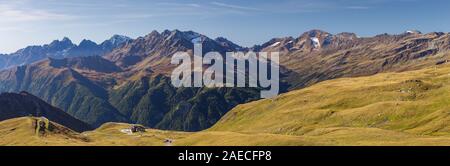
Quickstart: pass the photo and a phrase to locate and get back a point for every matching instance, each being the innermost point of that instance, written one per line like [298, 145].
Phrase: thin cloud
[10, 13]
[357, 7]
[230, 6]
[14, 29]
[193, 5]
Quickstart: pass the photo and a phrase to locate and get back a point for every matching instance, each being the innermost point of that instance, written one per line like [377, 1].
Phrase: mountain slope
[14, 105]
[63, 87]
[414, 102]
[154, 102]
[24, 132]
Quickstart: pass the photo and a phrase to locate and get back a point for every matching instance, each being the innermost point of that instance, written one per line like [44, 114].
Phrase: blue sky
[247, 22]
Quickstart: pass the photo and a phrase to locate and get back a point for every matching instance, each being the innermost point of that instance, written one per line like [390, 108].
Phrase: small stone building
[137, 128]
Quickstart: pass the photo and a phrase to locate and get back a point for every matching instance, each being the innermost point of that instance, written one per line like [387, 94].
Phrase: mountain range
[317, 55]
[131, 82]
[61, 49]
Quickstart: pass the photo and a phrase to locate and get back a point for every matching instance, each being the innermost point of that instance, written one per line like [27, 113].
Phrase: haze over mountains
[130, 82]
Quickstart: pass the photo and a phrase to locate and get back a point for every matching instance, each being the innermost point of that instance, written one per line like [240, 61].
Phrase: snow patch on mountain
[119, 39]
[275, 44]
[196, 40]
[316, 42]
[413, 32]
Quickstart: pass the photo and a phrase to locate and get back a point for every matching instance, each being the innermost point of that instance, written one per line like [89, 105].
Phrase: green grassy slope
[24, 131]
[415, 102]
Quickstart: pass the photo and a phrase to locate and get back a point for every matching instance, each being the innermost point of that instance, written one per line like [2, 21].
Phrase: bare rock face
[154, 50]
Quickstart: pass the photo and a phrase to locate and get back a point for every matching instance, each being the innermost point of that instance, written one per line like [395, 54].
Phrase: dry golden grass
[110, 135]
[413, 104]
[22, 131]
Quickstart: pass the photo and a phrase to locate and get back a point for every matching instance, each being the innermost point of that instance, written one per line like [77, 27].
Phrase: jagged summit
[64, 48]
[229, 44]
[315, 33]
[155, 47]
[66, 39]
[116, 41]
[87, 43]
[65, 43]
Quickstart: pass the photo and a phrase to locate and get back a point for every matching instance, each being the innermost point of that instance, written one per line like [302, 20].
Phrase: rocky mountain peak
[347, 35]
[87, 43]
[315, 33]
[176, 34]
[315, 39]
[228, 44]
[66, 39]
[117, 40]
[61, 44]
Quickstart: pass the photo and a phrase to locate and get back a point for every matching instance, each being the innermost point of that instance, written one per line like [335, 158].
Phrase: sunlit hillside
[408, 108]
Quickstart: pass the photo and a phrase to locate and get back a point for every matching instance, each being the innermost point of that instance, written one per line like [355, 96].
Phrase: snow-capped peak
[119, 39]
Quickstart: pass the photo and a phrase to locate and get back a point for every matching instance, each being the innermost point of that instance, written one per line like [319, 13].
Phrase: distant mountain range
[130, 82]
[317, 55]
[61, 49]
